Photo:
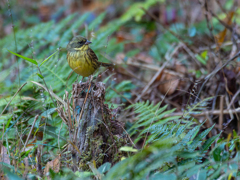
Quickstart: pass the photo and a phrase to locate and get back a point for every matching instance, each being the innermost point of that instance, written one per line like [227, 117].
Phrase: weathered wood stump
[97, 135]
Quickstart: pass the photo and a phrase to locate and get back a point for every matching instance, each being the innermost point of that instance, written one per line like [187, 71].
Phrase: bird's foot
[80, 82]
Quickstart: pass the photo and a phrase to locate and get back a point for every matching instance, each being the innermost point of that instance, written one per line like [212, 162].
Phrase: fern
[174, 151]
[46, 38]
[151, 118]
[136, 12]
[172, 145]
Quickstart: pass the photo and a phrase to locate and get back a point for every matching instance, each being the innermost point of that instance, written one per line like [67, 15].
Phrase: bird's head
[78, 43]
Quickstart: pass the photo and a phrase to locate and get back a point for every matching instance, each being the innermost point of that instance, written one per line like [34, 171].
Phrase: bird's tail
[105, 64]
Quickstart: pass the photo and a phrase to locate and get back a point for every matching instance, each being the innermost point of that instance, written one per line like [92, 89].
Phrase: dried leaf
[54, 165]
[171, 84]
[221, 36]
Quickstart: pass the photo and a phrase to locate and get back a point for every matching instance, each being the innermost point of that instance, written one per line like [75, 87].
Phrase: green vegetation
[173, 126]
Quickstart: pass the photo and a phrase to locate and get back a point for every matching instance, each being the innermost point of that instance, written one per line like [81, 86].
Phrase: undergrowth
[166, 146]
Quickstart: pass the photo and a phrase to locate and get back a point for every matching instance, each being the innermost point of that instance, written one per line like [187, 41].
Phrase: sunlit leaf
[128, 149]
[25, 58]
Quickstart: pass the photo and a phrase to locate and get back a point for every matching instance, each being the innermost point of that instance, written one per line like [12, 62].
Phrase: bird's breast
[80, 63]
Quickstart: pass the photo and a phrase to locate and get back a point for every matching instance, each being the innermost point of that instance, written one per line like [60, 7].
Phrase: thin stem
[46, 87]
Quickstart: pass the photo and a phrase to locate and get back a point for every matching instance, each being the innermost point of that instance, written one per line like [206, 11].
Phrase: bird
[81, 58]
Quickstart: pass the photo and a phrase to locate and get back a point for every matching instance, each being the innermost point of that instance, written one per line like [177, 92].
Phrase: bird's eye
[81, 42]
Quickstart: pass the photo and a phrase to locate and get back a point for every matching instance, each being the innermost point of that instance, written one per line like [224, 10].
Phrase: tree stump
[96, 133]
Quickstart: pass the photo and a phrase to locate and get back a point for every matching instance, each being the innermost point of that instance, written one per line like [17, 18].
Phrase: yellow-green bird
[81, 58]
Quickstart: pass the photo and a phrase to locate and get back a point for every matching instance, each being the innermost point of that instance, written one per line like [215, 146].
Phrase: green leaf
[191, 134]
[218, 152]
[83, 174]
[104, 168]
[198, 74]
[203, 134]
[48, 112]
[200, 59]
[128, 149]
[39, 75]
[48, 58]
[208, 143]
[11, 175]
[202, 174]
[8, 122]
[234, 134]
[95, 171]
[164, 176]
[8, 129]
[136, 11]
[25, 58]
[204, 55]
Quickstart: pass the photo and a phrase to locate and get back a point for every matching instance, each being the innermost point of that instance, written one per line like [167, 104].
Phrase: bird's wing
[93, 57]
[95, 61]
[92, 54]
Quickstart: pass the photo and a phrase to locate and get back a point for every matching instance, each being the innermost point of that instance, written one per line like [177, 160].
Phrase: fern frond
[197, 108]
[151, 118]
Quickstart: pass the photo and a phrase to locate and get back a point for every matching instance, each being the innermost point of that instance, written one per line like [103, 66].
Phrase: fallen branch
[205, 113]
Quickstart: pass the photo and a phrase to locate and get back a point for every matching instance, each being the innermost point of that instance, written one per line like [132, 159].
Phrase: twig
[217, 69]
[85, 100]
[131, 74]
[215, 46]
[145, 66]
[12, 98]
[35, 119]
[221, 7]
[221, 113]
[74, 114]
[128, 136]
[152, 80]
[168, 101]
[222, 22]
[69, 114]
[52, 93]
[75, 134]
[47, 87]
[59, 136]
[233, 99]
[158, 73]
[227, 103]
[215, 112]
[26, 169]
[192, 56]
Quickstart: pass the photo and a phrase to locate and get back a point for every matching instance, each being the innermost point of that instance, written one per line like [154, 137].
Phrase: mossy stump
[98, 136]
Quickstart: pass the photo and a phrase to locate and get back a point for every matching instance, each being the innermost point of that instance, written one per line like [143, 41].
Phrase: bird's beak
[88, 42]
